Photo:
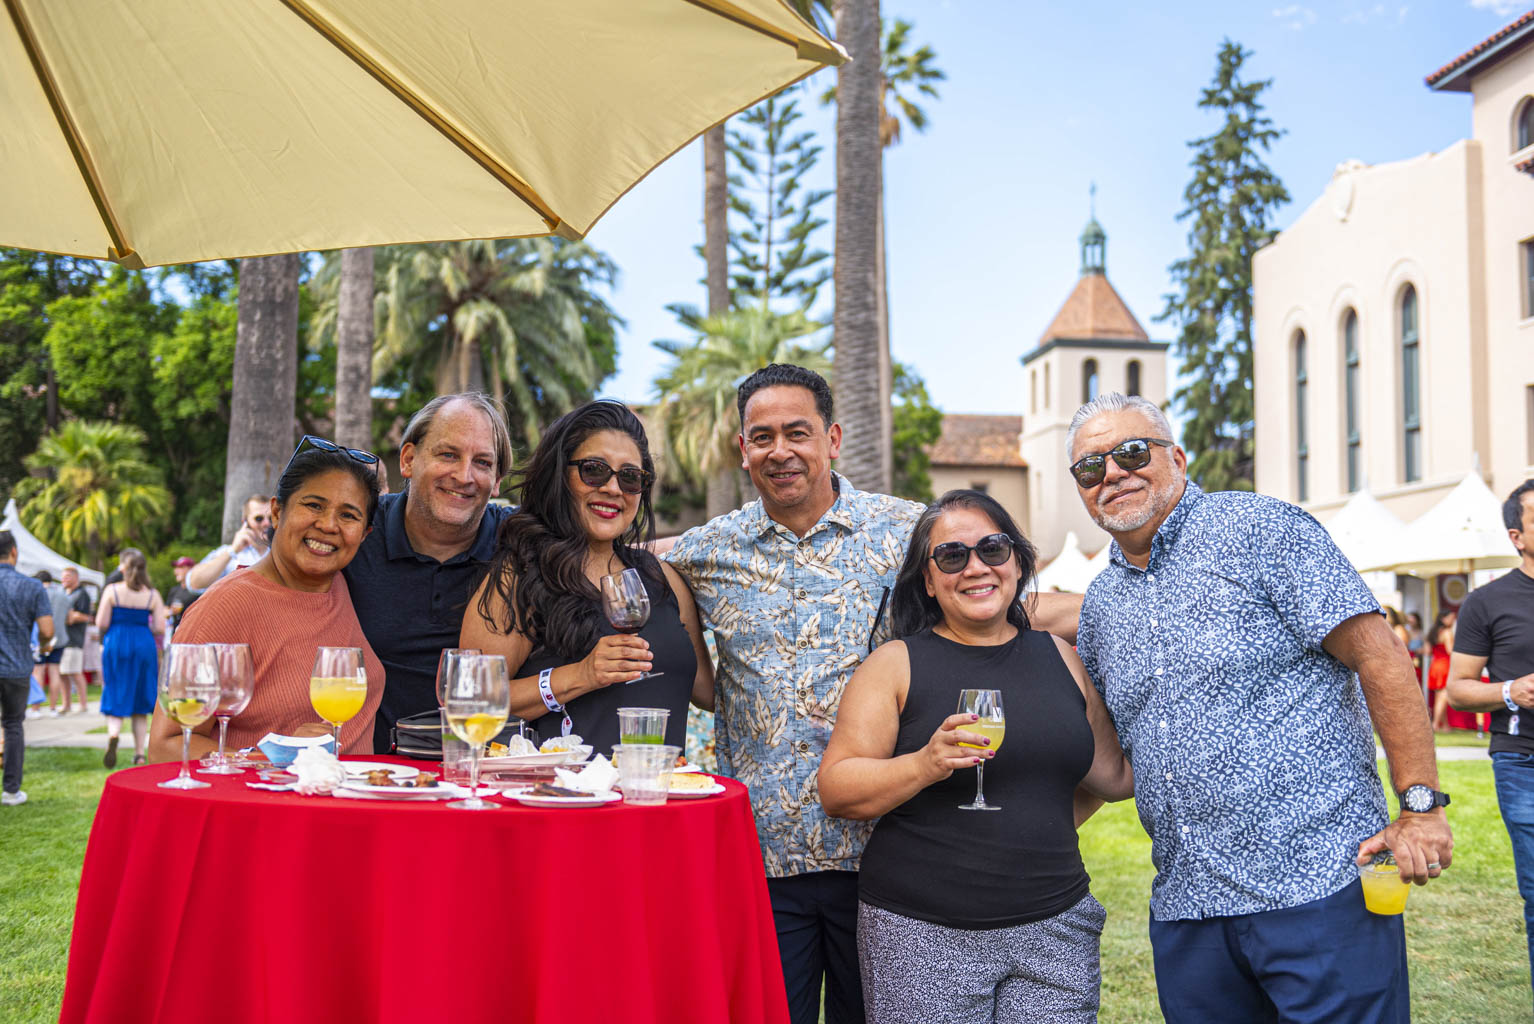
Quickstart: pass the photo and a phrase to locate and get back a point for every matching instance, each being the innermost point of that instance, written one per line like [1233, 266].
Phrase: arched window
[1351, 382]
[1301, 449]
[1046, 385]
[1088, 380]
[1411, 389]
[1134, 377]
[1526, 123]
[1033, 391]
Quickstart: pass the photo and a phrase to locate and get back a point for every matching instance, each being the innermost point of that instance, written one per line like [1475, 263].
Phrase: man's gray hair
[1113, 401]
[420, 424]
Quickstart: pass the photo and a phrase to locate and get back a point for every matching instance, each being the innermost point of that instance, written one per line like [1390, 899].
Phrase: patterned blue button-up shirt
[22, 602]
[1252, 749]
[792, 619]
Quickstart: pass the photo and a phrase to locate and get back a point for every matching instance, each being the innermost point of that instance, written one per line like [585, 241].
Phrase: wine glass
[627, 606]
[447, 664]
[338, 686]
[236, 680]
[189, 694]
[477, 699]
[993, 725]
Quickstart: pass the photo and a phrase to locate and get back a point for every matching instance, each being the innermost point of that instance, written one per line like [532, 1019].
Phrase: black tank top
[975, 869]
[594, 715]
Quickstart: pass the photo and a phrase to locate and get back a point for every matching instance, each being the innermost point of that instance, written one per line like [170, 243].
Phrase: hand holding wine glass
[189, 693]
[992, 724]
[236, 682]
[477, 700]
[338, 686]
[626, 603]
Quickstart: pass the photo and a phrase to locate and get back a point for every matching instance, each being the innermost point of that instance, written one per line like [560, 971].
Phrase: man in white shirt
[247, 547]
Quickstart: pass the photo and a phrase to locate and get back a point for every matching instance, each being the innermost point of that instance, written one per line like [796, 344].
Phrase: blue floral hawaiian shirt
[1252, 750]
[793, 617]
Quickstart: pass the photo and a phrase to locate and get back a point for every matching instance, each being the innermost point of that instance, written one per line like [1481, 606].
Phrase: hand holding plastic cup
[644, 771]
[1384, 892]
[642, 725]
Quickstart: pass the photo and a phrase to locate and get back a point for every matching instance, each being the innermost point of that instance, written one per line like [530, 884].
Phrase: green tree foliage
[695, 420]
[99, 494]
[1230, 203]
[917, 426]
[775, 265]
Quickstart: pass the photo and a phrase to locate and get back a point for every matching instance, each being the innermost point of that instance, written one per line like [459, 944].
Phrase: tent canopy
[1071, 571]
[32, 554]
[1368, 533]
[1461, 533]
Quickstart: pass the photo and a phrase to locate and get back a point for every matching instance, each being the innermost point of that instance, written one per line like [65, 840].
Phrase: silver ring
[1435, 865]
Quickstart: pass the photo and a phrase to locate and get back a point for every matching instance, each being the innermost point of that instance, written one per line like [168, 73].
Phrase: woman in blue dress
[130, 617]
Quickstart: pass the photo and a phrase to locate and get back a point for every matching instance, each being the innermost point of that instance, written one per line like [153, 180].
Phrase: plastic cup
[644, 771]
[642, 725]
[1384, 892]
[455, 755]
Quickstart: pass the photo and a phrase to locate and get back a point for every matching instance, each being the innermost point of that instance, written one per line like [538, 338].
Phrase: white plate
[525, 796]
[576, 756]
[359, 769]
[685, 769]
[441, 791]
[693, 794]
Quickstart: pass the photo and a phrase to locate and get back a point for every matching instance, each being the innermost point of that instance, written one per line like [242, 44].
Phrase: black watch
[1421, 799]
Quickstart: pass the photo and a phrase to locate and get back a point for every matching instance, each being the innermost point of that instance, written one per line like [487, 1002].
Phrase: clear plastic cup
[642, 725]
[644, 771]
[455, 755]
[1384, 892]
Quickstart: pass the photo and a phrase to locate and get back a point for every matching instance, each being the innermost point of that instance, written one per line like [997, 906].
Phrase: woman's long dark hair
[538, 570]
[912, 609]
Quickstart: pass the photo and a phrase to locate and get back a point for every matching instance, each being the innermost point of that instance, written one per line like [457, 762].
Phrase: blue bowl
[281, 750]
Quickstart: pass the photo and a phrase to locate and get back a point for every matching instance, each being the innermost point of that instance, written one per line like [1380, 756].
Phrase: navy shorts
[51, 658]
[1326, 961]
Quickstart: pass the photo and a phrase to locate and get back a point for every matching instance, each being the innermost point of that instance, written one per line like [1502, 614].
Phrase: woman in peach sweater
[291, 602]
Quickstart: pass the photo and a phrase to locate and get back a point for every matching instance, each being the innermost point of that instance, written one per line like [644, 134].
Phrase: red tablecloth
[238, 905]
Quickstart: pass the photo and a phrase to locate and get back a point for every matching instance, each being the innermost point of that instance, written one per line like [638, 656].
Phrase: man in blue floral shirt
[1225, 636]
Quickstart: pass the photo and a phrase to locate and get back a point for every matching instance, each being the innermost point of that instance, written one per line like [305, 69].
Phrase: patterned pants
[915, 972]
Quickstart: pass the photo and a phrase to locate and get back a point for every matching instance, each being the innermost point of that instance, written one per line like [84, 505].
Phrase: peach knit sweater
[283, 628]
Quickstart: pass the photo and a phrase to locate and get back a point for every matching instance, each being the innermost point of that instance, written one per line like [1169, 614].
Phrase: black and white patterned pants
[915, 972]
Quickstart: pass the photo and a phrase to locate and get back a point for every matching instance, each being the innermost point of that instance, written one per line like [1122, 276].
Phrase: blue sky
[984, 209]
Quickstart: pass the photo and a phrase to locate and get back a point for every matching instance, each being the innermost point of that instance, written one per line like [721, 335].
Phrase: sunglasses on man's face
[309, 441]
[953, 556]
[1130, 455]
[596, 473]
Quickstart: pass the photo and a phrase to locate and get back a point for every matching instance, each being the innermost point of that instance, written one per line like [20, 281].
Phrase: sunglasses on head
[309, 441]
[596, 473]
[1130, 455]
[953, 556]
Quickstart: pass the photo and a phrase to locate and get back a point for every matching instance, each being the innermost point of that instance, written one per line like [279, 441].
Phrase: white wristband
[1507, 697]
[546, 691]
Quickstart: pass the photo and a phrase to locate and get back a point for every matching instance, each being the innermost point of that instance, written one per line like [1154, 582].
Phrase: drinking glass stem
[980, 784]
[335, 730]
[186, 753]
[474, 774]
[223, 731]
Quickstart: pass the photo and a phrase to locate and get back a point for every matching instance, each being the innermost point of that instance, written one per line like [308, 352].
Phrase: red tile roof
[1094, 311]
[971, 439]
[1480, 48]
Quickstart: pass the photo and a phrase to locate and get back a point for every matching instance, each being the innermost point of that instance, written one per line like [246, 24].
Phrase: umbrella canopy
[171, 131]
[1368, 533]
[1461, 533]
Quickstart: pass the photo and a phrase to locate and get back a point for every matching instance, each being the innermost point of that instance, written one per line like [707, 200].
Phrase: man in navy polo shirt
[414, 574]
[1225, 635]
[23, 601]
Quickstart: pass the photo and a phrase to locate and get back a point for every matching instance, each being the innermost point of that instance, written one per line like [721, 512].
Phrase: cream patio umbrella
[1461, 533]
[168, 131]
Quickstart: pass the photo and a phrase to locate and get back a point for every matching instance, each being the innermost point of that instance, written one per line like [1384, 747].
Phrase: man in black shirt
[1495, 632]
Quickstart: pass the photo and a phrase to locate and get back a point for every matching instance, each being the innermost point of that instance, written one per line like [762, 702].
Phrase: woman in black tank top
[966, 915]
[585, 513]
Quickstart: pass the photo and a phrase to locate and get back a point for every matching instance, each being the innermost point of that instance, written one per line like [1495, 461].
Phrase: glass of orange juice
[1384, 892]
[338, 686]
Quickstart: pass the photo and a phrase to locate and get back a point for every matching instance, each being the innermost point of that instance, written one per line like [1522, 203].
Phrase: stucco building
[983, 452]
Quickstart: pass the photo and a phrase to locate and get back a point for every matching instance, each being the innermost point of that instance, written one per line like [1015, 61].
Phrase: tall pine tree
[1231, 201]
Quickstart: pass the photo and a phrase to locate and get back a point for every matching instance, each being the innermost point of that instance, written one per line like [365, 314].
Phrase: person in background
[77, 618]
[180, 597]
[131, 616]
[948, 927]
[1414, 634]
[245, 549]
[1440, 644]
[290, 603]
[53, 679]
[23, 605]
[584, 514]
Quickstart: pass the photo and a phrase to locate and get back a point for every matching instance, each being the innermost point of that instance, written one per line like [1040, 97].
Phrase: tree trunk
[723, 488]
[265, 382]
[354, 350]
[865, 446]
[886, 366]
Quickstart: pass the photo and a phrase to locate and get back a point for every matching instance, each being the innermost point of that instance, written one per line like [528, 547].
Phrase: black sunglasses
[596, 473]
[309, 441]
[1130, 455]
[953, 556]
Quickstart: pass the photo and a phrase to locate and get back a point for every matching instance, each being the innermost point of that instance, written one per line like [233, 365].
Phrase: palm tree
[265, 389]
[860, 367]
[354, 349]
[695, 419]
[519, 318]
[716, 210]
[98, 495]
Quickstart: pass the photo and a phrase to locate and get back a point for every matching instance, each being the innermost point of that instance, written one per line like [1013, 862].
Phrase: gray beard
[1128, 521]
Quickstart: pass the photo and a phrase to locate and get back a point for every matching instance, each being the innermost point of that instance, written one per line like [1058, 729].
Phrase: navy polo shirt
[411, 606]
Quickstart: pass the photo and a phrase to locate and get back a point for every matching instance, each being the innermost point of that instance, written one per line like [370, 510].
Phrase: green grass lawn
[1464, 932]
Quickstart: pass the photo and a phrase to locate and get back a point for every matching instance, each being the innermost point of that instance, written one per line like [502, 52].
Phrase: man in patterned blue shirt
[22, 602]
[1224, 637]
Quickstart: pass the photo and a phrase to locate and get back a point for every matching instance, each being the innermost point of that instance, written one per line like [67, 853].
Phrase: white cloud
[1296, 17]
[1501, 8]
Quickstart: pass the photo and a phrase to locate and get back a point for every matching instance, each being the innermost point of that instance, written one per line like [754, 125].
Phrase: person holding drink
[584, 515]
[968, 916]
[290, 605]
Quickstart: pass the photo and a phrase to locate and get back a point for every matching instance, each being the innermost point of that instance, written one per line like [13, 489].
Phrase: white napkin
[318, 770]
[599, 777]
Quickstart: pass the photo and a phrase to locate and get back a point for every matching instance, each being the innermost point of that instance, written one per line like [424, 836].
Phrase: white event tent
[32, 554]
[1368, 533]
[1462, 533]
[1071, 571]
